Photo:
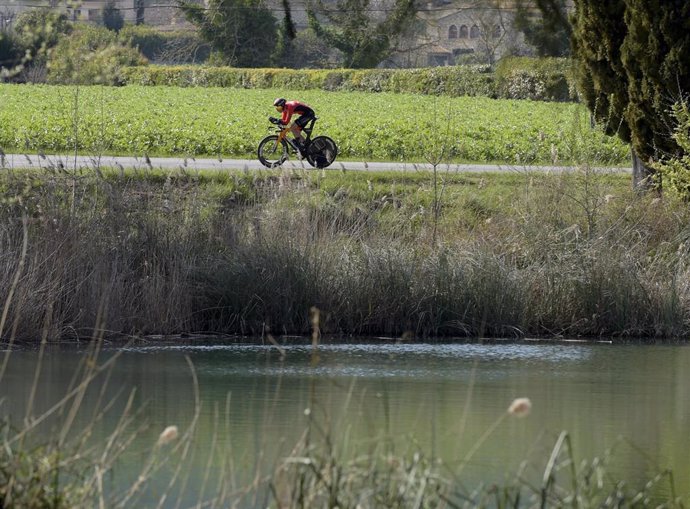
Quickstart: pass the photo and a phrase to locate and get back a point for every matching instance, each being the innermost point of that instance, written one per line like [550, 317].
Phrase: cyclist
[289, 108]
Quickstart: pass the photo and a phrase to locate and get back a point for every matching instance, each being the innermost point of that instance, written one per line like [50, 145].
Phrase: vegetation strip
[381, 253]
[220, 122]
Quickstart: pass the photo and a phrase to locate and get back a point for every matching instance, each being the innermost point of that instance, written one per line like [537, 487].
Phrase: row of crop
[230, 122]
[514, 78]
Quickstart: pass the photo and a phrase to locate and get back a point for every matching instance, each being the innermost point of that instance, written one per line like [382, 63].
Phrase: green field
[227, 122]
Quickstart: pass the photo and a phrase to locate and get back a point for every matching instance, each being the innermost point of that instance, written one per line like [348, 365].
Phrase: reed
[551, 255]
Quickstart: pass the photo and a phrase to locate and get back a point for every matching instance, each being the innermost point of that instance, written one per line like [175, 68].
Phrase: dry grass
[547, 255]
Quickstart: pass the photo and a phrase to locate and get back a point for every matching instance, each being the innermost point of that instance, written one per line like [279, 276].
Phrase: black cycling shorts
[303, 120]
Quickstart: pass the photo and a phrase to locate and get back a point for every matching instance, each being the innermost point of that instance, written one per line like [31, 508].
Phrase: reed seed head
[169, 434]
[520, 407]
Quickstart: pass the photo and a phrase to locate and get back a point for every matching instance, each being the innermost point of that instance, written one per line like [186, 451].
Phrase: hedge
[548, 79]
[517, 78]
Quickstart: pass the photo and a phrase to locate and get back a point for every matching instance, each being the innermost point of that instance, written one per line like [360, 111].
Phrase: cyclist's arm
[287, 114]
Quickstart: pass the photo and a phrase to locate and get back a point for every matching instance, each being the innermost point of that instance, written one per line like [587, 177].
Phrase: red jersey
[292, 107]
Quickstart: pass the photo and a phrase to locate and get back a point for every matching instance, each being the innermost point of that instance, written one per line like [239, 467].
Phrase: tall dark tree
[286, 37]
[352, 27]
[634, 62]
[243, 32]
[10, 54]
[547, 27]
[656, 57]
[112, 17]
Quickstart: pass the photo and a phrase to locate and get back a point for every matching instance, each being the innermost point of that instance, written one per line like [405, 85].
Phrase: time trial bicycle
[276, 148]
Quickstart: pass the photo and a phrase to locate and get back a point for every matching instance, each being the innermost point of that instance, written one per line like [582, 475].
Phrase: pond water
[626, 404]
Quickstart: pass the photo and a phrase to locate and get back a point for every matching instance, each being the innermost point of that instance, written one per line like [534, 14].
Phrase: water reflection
[436, 398]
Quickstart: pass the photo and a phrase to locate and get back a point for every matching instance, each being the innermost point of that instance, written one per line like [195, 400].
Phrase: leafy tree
[309, 51]
[549, 31]
[243, 32]
[39, 30]
[91, 54]
[112, 17]
[634, 63]
[286, 35]
[353, 29]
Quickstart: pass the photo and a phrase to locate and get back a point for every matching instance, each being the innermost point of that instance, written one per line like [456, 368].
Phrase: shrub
[675, 171]
[91, 55]
[541, 79]
[452, 81]
[176, 47]
[39, 30]
[23, 55]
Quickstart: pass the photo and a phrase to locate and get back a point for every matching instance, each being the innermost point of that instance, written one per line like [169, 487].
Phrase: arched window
[497, 31]
[463, 32]
[452, 32]
[474, 32]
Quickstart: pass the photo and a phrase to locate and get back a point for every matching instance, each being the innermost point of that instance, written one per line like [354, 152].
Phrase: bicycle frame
[307, 130]
[319, 151]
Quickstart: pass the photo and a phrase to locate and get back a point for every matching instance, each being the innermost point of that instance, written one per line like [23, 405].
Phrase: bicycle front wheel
[272, 152]
[322, 152]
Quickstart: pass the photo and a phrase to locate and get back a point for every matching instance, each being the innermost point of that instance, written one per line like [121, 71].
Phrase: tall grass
[566, 254]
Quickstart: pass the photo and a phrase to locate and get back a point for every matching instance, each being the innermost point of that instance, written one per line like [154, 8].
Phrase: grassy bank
[511, 254]
[138, 120]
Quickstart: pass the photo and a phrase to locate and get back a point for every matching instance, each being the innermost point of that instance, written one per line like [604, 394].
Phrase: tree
[10, 54]
[91, 54]
[634, 62]
[112, 17]
[547, 28]
[243, 32]
[493, 29]
[353, 28]
[286, 36]
[39, 30]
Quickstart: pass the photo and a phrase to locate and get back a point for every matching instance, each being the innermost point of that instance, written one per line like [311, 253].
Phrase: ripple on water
[405, 360]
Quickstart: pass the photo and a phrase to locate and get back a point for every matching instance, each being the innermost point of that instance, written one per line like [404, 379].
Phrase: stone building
[160, 13]
[461, 31]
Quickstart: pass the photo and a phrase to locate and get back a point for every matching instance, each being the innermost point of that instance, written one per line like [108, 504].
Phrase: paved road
[18, 161]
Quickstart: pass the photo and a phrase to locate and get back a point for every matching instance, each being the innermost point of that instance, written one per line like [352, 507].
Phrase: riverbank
[412, 255]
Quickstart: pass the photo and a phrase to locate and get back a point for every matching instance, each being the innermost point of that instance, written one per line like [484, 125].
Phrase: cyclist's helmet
[279, 102]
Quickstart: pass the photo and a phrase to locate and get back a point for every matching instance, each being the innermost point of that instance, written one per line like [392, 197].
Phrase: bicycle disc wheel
[271, 152]
[322, 152]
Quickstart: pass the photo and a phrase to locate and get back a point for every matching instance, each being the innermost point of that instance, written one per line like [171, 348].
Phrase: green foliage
[24, 52]
[39, 477]
[212, 121]
[453, 81]
[91, 54]
[545, 79]
[634, 62]
[351, 28]
[598, 34]
[675, 171]
[244, 32]
[179, 46]
[656, 57]
[515, 78]
[39, 30]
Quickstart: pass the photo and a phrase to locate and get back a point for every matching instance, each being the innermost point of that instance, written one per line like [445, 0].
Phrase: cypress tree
[656, 56]
[633, 58]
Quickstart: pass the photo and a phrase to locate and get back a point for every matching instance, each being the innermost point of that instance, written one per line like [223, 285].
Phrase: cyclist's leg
[298, 125]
